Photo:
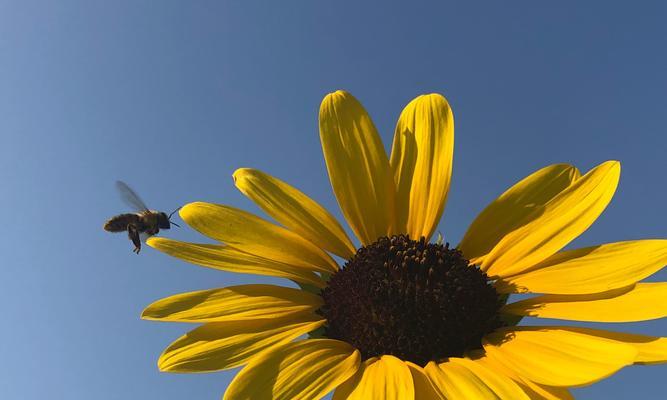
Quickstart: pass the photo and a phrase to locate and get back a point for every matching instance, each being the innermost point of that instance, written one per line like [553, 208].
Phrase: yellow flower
[405, 318]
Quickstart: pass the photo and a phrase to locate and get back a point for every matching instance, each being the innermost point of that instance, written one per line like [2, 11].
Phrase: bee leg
[133, 234]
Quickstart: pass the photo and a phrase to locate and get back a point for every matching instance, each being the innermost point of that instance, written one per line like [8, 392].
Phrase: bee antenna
[174, 212]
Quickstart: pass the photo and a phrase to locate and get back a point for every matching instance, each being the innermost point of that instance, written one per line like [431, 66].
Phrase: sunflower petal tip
[189, 209]
[612, 164]
[150, 313]
[436, 96]
[242, 172]
[155, 242]
[163, 364]
[341, 92]
[430, 100]
[614, 167]
[336, 98]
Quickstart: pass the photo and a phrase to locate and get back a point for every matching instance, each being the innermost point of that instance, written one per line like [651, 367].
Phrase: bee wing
[130, 197]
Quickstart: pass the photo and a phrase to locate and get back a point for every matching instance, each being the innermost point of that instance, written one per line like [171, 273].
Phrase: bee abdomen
[120, 222]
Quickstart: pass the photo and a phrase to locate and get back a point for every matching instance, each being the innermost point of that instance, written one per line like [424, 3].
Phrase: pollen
[417, 301]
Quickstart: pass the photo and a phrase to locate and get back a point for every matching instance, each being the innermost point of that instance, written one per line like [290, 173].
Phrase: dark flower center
[417, 301]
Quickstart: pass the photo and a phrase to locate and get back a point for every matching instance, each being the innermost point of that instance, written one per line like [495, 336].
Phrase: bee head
[163, 221]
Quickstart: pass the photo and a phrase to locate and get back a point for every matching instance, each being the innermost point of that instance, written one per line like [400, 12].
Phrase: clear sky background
[173, 96]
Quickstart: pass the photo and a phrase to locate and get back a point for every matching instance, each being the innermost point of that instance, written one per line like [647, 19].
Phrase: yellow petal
[251, 234]
[555, 224]
[424, 389]
[222, 345]
[591, 270]
[556, 356]
[234, 303]
[501, 385]
[653, 352]
[509, 211]
[226, 258]
[358, 167]
[532, 390]
[344, 390]
[641, 302]
[462, 379]
[306, 369]
[454, 382]
[421, 161]
[543, 392]
[651, 349]
[381, 378]
[294, 210]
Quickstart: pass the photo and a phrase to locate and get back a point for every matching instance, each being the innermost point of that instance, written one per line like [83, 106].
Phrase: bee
[143, 221]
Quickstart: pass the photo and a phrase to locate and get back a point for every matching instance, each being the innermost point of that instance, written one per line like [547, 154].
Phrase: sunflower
[404, 317]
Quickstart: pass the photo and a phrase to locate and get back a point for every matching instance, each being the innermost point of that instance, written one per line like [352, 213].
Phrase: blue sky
[173, 96]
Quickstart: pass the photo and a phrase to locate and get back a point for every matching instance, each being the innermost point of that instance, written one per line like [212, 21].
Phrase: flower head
[405, 318]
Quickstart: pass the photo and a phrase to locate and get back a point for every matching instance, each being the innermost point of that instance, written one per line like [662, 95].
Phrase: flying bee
[143, 221]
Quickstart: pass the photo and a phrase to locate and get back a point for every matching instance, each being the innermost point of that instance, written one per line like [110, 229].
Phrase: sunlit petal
[515, 208]
[222, 345]
[560, 220]
[251, 234]
[302, 370]
[358, 166]
[502, 386]
[651, 349]
[532, 390]
[381, 378]
[556, 356]
[421, 161]
[229, 259]
[643, 301]
[295, 210]
[465, 379]
[424, 389]
[233, 303]
[592, 269]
